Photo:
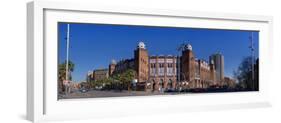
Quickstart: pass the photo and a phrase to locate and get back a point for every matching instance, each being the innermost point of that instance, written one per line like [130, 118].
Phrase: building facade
[100, 74]
[198, 73]
[141, 62]
[97, 74]
[90, 76]
[162, 72]
[112, 67]
[121, 66]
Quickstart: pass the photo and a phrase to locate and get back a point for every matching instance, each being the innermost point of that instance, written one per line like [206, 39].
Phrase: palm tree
[62, 72]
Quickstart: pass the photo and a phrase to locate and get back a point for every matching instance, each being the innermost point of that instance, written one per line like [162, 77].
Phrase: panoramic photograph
[107, 60]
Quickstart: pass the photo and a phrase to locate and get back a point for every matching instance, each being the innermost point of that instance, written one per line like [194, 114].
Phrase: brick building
[141, 62]
[198, 73]
[97, 74]
[100, 74]
[121, 66]
[112, 67]
[162, 72]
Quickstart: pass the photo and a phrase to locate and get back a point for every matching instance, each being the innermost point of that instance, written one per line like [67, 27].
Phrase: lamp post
[252, 60]
[134, 82]
[66, 84]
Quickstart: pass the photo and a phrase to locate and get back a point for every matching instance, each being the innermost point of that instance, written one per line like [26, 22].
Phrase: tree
[116, 81]
[62, 72]
[92, 83]
[244, 73]
[127, 77]
[119, 80]
[105, 83]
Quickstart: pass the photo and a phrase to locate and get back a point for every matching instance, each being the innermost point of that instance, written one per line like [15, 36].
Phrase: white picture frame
[42, 103]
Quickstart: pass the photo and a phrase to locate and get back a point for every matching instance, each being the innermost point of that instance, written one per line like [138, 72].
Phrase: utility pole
[252, 59]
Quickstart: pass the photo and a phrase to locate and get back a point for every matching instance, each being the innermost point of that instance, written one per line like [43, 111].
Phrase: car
[83, 90]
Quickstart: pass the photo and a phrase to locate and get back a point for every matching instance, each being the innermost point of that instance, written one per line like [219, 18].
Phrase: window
[161, 71]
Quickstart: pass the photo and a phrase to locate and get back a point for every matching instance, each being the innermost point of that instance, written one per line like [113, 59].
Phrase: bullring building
[165, 72]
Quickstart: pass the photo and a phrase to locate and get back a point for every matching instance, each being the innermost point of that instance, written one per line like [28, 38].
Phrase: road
[112, 93]
[116, 93]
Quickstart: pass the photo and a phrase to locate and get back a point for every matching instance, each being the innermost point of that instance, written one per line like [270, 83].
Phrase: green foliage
[128, 76]
[123, 79]
[62, 72]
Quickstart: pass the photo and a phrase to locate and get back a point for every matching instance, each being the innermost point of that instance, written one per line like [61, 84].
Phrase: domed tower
[141, 45]
[188, 63]
[141, 62]
[188, 47]
[112, 66]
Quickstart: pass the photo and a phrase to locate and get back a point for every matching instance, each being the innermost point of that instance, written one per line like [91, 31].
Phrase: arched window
[153, 84]
[161, 81]
[170, 83]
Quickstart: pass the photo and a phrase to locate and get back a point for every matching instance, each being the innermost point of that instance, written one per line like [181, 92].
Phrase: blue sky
[93, 46]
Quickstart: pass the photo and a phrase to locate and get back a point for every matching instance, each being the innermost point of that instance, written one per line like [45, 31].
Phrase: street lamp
[134, 82]
[252, 60]
[66, 83]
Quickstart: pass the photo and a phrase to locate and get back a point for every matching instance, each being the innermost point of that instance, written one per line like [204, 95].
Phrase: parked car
[83, 90]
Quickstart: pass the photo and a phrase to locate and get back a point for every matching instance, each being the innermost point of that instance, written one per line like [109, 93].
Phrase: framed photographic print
[97, 61]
